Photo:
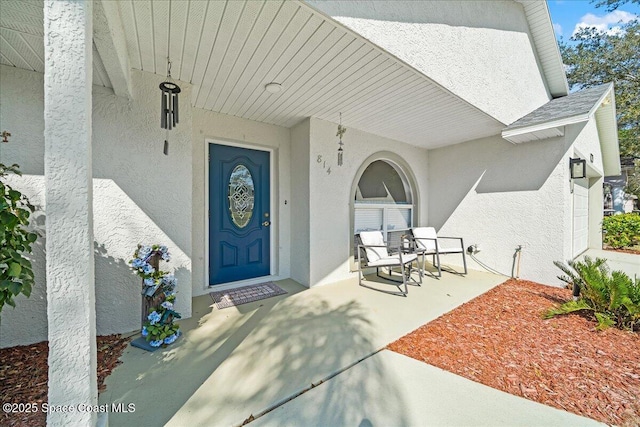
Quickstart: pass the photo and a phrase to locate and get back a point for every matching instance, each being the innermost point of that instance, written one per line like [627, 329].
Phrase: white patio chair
[373, 252]
[426, 240]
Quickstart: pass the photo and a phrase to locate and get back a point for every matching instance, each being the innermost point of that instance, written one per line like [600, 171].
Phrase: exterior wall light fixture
[578, 168]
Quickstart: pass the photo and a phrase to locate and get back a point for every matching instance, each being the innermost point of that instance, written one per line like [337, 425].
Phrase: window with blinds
[383, 200]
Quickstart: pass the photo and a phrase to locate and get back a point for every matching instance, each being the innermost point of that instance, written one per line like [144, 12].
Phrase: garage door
[580, 216]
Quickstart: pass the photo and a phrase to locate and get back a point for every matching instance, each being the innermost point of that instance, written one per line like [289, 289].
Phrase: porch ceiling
[21, 39]
[229, 50]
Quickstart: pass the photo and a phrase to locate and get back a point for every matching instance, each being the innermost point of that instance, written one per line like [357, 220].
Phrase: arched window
[383, 201]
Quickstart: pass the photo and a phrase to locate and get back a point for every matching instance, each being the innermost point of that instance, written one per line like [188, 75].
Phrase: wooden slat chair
[373, 252]
[426, 241]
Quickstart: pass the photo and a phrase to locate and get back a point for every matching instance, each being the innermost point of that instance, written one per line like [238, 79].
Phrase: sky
[569, 15]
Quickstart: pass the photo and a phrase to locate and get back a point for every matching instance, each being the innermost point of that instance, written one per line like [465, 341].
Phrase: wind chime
[169, 117]
[341, 131]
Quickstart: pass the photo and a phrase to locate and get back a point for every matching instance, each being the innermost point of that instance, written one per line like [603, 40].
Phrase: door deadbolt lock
[266, 224]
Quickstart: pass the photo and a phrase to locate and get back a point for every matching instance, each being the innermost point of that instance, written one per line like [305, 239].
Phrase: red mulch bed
[24, 376]
[624, 250]
[501, 339]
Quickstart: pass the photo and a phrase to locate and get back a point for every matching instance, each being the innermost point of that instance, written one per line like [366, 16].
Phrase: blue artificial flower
[149, 281]
[166, 256]
[156, 343]
[137, 263]
[154, 317]
[147, 269]
[163, 249]
[170, 339]
[144, 252]
[167, 305]
[144, 331]
[169, 293]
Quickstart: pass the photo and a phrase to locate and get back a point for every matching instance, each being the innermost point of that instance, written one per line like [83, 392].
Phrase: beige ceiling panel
[296, 31]
[248, 75]
[250, 20]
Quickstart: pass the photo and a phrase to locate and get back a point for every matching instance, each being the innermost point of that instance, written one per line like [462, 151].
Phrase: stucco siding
[139, 196]
[208, 127]
[587, 142]
[22, 97]
[137, 191]
[300, 197]
[330, 200]
[499, 196]
[479, 50]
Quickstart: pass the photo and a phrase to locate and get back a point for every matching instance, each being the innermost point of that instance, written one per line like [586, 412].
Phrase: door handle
[266, 224]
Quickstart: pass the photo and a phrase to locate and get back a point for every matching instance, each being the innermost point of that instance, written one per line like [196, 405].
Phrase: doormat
[245, 294]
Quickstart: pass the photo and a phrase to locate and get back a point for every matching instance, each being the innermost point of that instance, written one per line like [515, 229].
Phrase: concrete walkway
[238, 362]
[389, 389]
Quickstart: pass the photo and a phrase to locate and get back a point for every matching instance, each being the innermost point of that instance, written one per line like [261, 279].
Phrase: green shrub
[613, 298]
[621, 231]
[16, 273]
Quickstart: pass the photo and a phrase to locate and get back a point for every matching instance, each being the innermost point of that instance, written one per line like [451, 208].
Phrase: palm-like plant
[614, 298]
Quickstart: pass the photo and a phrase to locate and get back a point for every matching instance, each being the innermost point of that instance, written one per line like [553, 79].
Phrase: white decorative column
[68, 30]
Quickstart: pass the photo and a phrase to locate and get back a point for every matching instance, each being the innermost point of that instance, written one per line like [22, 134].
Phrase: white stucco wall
[479, 50]
[21, 97]
[584, 141]
[587, 142]
[209, 127]
[499, 195]
[300, 227]
[330, 201]
[138, 195]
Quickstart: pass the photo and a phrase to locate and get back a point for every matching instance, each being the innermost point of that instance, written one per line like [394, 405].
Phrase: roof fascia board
[611, 167]
[549, 34]
[547, 125]
[109, 38]
[564, 121]
[604, 95]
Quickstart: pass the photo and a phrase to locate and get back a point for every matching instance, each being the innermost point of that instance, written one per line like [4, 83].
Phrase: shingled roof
[551, 119]
[575, 104]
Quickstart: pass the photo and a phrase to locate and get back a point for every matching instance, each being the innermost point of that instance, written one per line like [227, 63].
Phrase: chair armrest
[428, 238]
[453, 238]
[361, 246]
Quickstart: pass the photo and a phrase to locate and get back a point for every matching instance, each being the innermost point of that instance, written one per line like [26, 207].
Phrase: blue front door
[239, 215]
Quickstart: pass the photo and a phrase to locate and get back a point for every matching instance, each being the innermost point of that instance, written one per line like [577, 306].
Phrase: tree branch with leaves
[594, 57]
[16, 272]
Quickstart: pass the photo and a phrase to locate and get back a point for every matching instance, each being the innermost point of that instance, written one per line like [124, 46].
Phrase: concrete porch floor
[240, 361]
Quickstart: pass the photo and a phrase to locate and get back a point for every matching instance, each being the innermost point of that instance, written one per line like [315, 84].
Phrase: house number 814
[324, 164]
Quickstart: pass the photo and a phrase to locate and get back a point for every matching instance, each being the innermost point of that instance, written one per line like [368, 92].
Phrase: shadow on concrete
[232, 365]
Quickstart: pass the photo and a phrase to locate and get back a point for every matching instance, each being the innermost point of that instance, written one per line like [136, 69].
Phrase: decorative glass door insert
[241, 196]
